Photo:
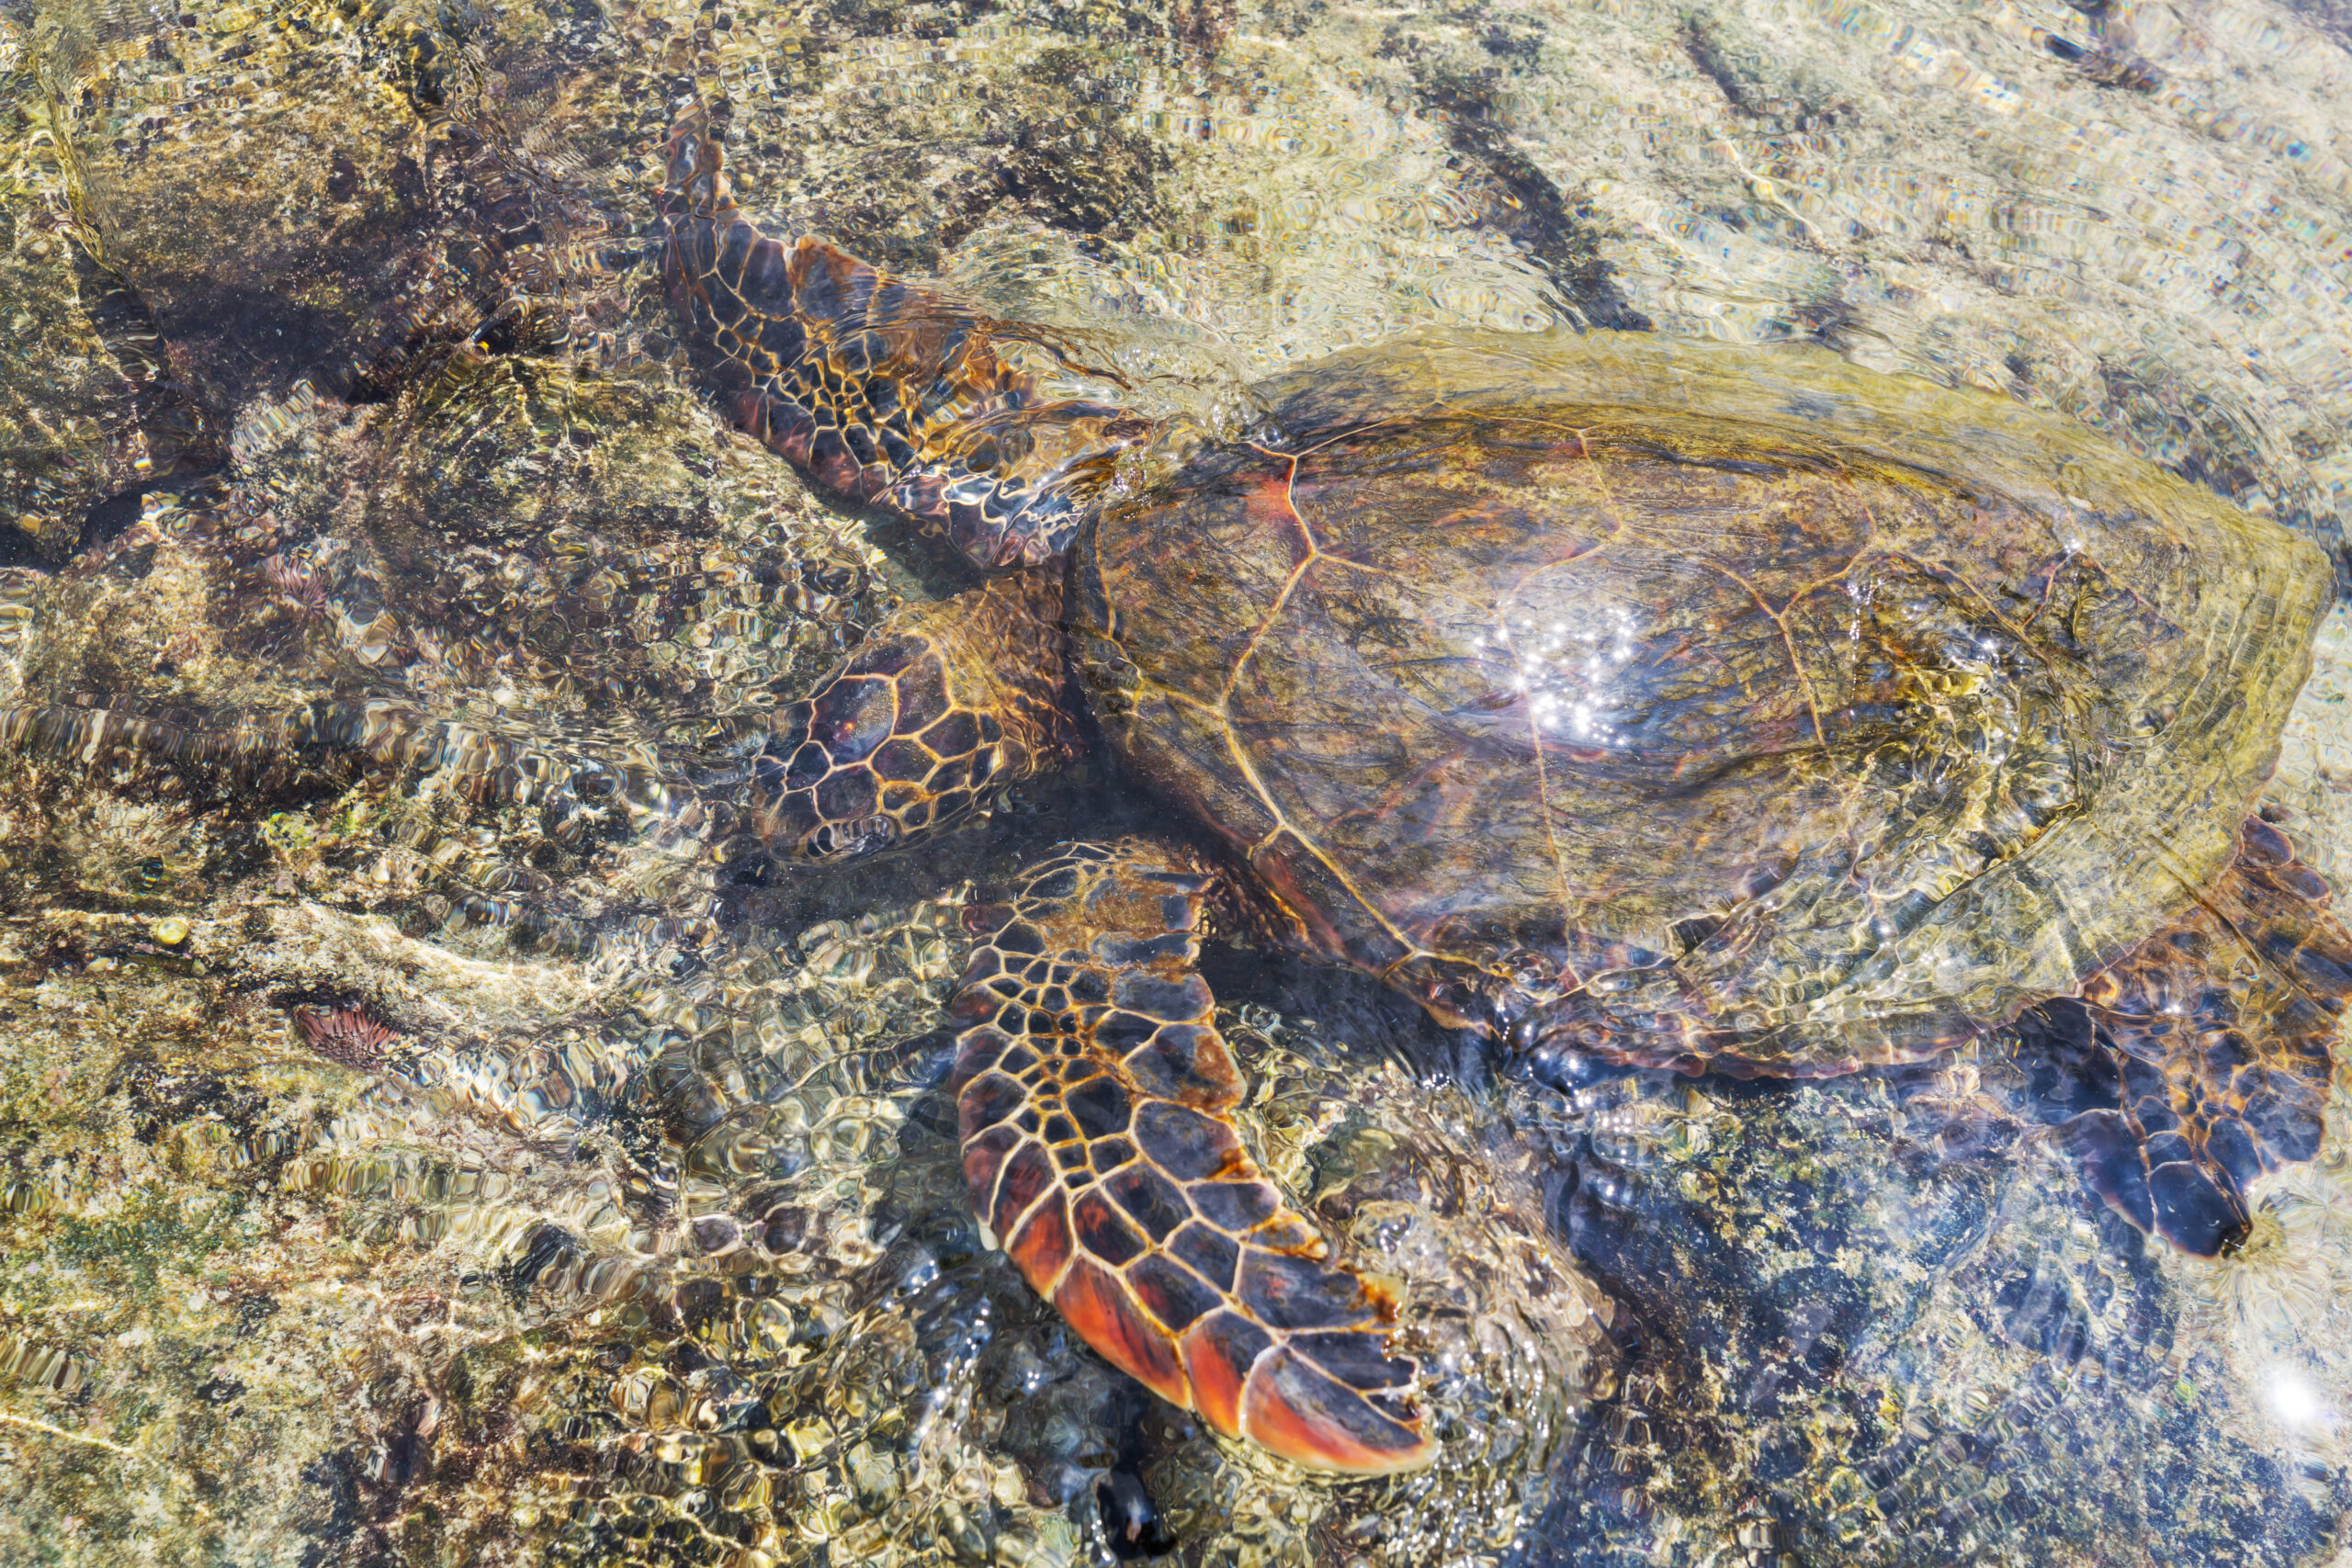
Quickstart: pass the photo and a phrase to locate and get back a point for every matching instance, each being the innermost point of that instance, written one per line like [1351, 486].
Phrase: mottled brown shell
[1843, 713]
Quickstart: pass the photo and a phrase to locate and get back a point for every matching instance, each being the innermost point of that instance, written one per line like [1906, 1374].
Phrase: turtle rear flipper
[879, 390]
[2213, 1037]
[1094, 1096]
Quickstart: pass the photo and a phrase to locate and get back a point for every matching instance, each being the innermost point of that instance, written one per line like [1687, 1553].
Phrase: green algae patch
[154, 1233]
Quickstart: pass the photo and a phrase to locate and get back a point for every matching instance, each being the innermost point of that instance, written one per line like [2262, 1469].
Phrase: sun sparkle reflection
[2294, 1401]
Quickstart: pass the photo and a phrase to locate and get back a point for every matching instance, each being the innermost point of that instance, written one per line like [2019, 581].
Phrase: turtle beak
[694, 174]
[831, 842]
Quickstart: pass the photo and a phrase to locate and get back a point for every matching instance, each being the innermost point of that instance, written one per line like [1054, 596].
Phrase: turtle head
[693, 176]
[837, 780]
[921, 727]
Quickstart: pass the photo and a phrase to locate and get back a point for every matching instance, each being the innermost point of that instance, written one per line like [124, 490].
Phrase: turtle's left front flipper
[2213, 1039]
[1094, 1100]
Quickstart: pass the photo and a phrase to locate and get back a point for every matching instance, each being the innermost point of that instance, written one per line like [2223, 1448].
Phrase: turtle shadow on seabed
[1868, 1320]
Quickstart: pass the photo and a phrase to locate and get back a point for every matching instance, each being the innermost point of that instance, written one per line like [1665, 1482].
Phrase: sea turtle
[1634, 703]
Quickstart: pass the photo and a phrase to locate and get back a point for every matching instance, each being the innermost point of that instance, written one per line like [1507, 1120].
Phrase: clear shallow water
[333, 367]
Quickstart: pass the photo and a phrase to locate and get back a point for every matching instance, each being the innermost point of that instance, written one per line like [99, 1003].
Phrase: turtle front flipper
[2210, 1043]
[879, 390]
[1094, 1096]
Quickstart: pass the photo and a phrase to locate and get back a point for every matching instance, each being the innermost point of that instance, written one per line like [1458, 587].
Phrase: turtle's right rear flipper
[879, 390]
[2211, 1044]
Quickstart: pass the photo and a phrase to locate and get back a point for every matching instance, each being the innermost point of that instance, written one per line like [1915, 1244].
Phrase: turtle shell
[1849, 713]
